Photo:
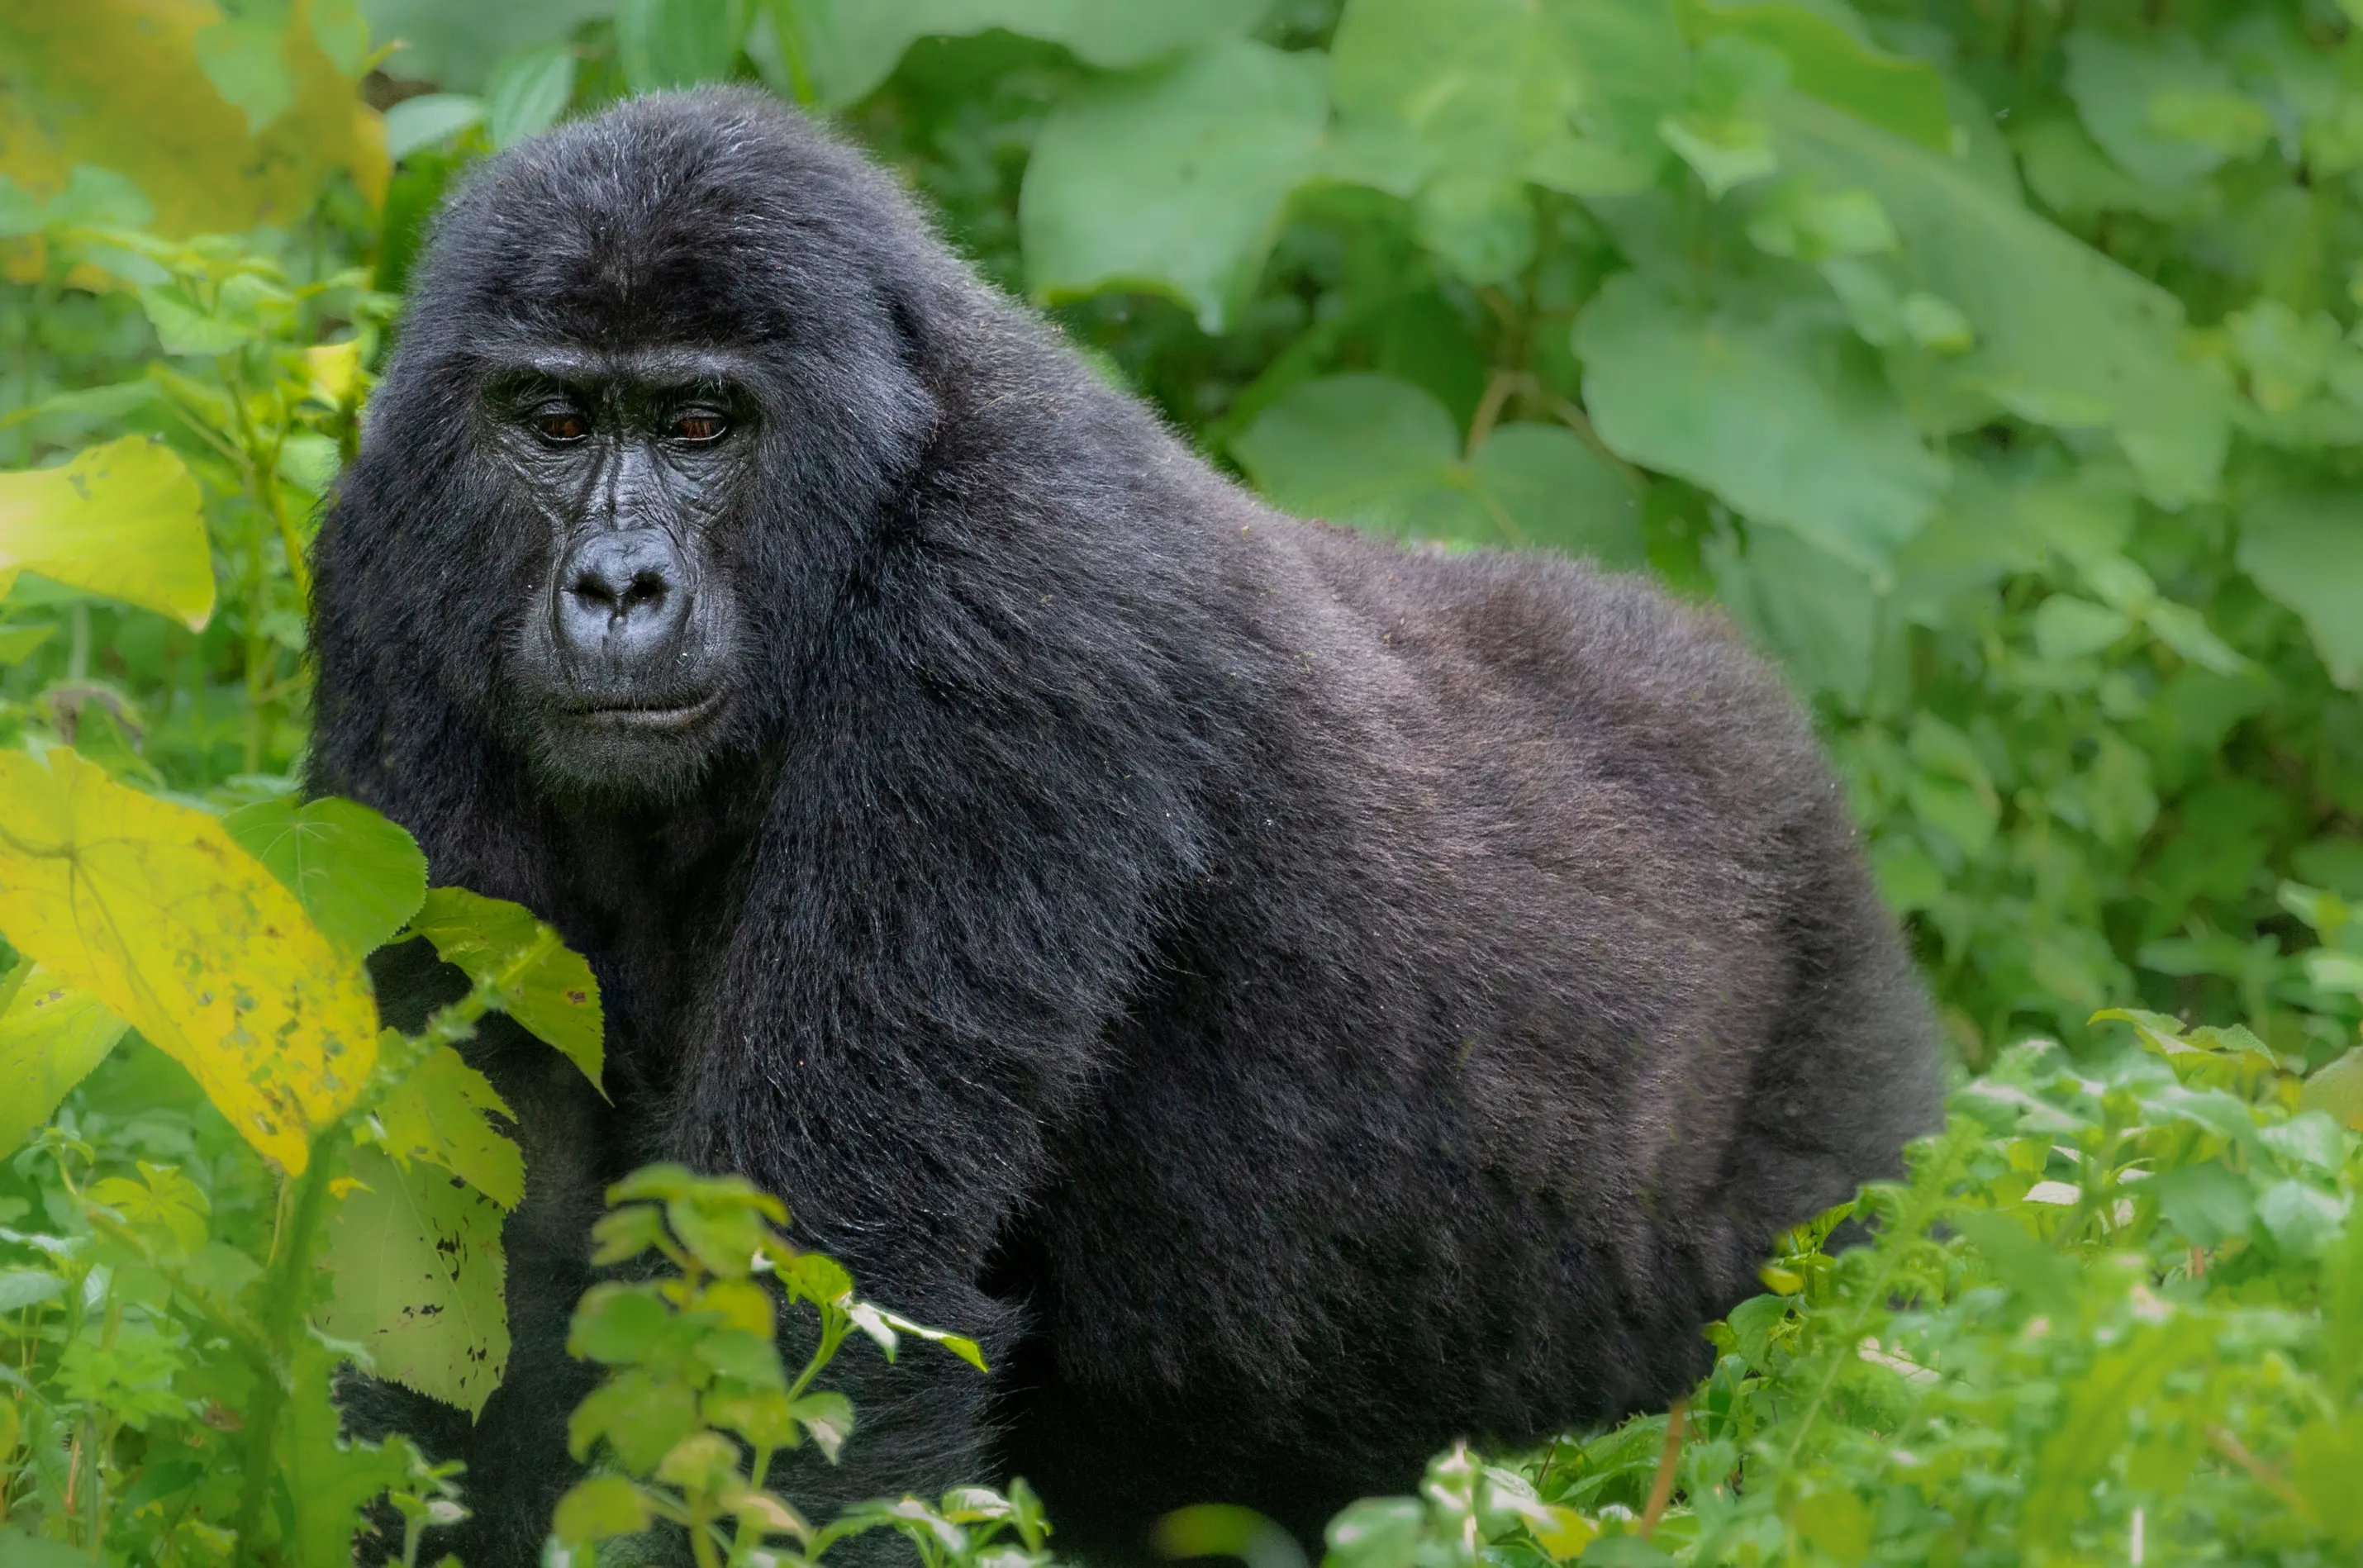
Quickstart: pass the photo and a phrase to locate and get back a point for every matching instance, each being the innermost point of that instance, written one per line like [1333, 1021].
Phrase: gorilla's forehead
[697, 218]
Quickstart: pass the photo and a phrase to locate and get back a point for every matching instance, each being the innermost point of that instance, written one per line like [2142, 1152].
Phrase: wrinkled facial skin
[636, 465]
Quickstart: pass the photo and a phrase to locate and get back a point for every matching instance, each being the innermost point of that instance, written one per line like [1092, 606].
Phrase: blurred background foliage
[1993, 362]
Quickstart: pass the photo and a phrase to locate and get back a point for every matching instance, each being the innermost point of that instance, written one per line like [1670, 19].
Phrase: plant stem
[283, 1296]
[1661, 1489]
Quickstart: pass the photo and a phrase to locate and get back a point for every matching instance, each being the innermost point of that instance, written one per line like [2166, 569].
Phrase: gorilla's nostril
[648, 587]
[591, 591]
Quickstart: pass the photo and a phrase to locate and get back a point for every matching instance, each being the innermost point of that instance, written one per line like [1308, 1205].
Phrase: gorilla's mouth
[651, 718]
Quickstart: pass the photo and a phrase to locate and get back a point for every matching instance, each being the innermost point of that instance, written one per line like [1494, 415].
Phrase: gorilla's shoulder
[1566, 630]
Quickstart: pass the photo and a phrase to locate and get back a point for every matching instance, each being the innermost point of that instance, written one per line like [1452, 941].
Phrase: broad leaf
[124, 520]
[677, 43]
[50, 1037]
[1816, 613]
[1833, 64]
[458, 44]
[155, 909]
[542, 983]
[851, 46]
[2121, 87]
[526, 94]
[2304, 547]
[437, 1115]
[1780, 411]
[418, 1280]
[1381, 453]
[1458, 103]
[2064, 335]
[1173, 180]
[358, 876]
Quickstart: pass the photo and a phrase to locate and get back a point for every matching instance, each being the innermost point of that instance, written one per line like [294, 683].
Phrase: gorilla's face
[636, 465]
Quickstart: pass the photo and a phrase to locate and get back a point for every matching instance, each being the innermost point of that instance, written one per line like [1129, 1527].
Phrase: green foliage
[1996, 366]
[697, 1401]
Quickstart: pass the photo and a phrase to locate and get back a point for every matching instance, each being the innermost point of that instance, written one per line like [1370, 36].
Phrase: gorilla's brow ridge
[669, 365]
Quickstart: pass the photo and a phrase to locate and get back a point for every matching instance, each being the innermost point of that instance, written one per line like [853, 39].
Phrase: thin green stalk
[283, 1296]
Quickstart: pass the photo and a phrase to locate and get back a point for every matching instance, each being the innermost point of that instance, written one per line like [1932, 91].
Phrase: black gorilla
[1295, 1000]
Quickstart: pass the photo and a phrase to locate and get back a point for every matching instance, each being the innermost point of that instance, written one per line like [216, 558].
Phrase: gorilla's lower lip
[648, 715]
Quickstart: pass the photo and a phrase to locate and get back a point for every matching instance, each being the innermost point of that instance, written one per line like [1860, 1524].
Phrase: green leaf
[245, 57]
[357, 875]
[640, 1419]
[1834, 64]
[620, 1325]
[597, 1509]
[851, 46]
[827, 1418]
[736, 1353]
[2301, 1217]
[542, 983]
[1541, 486]
[330, 1476]
[1381, 453]
[677, 43]
[2206, 1205]
[458, 43]
[18, 642]
[2304, 547]
[2142, 99]
[883, 1326]
[1173, 179]
[1835, 1523]
[2337, 1089]
[2067, 628]
[437, 1114]
[23, 1287]
[1780, 411]
[2325, 1456]
[526, 94]
[429, 120]
[2064, 335]
[1815, 614]
[1458, 103]
[418, 1280]
[124, 520]
[50, 1037]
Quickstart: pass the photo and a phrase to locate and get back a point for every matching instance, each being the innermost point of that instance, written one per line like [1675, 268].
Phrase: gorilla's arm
[945, 907]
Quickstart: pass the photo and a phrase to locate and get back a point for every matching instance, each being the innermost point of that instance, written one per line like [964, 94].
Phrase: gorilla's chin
[654, 750]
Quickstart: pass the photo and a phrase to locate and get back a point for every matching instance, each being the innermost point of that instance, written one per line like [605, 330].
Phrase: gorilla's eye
[561, 425]
[699, 428]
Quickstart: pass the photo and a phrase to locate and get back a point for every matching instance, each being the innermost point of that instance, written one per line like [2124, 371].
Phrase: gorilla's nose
[622, 597]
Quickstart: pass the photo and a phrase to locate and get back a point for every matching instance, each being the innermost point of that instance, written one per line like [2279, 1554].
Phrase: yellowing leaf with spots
[151, 907]
[124, 520]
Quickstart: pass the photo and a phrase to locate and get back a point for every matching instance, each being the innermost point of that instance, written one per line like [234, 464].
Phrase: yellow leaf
[151, 907]
[334, 371]
[122, 84]
[123, 520]
[1565, 1535]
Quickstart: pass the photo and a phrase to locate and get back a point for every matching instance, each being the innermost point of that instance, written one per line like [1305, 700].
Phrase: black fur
[1295, 1001]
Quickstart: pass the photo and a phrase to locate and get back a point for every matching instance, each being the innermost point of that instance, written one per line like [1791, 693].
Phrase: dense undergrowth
[1993, 361]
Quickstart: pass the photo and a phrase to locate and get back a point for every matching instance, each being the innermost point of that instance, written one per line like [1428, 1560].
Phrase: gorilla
[1294, 999]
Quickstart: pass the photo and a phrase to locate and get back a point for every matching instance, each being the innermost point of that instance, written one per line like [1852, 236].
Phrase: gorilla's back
[1536, 986]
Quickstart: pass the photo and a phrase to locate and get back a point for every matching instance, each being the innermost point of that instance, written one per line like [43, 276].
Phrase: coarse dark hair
[1295, 1000]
